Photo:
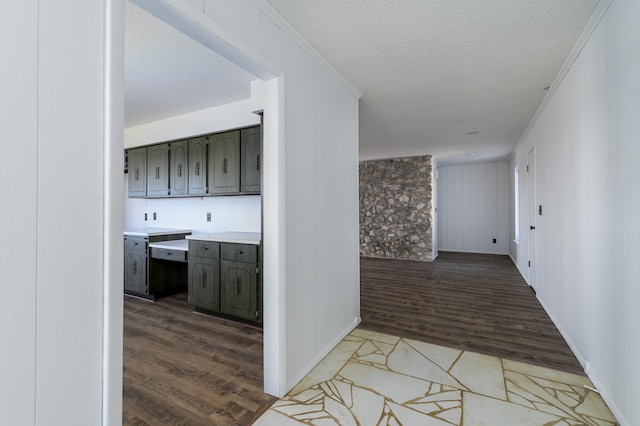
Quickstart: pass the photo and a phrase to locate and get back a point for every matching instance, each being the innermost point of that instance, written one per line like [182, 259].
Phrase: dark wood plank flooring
[465, 301]
[184, 368]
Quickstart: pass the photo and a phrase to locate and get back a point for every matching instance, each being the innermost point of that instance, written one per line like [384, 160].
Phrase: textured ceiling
[435, 72]
[439, 77]
[168, 73]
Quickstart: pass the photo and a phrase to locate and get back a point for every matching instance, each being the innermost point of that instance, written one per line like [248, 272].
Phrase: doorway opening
[204, 31]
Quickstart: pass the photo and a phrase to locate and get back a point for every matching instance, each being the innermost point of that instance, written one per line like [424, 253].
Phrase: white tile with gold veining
[480, 410]
[329, 366]
[407, 416]
[443, 357]
[481, 374]
[367, 406]
[406, 360]
[372, 335]
[398, 387]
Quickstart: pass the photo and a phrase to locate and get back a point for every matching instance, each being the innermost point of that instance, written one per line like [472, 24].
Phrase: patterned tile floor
[377, 379]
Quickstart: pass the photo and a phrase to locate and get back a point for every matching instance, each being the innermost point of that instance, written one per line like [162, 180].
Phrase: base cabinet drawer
[168, 254]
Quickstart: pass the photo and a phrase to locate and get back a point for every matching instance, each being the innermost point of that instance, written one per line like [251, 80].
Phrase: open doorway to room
[180, 365]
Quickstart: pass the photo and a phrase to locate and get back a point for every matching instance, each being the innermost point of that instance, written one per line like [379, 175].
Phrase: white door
[532, 210]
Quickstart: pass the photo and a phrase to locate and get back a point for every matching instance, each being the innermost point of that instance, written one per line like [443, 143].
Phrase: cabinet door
[158, 170]
[198, 166]
[135, 271]
[250, 161]
[238, 289]
[137, 172]
[251, 146]
[179, 168]
[224, 163]
[203, 291]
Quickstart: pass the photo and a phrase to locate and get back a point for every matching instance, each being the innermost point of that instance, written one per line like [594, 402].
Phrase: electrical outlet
[155, 216]
[494, 241]
[208, 217]
[145, 217]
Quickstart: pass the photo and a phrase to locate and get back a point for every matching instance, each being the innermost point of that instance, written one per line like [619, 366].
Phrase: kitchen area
[193, 221]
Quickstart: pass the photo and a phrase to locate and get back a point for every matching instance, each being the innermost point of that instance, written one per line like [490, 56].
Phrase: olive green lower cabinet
[204, 270]
[225, 278]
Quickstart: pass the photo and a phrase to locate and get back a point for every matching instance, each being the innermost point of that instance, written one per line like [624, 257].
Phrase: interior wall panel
[473, 208]
[19, 176]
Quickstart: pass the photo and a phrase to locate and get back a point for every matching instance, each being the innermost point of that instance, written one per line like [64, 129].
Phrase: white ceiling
[439, 77]
[168, 73]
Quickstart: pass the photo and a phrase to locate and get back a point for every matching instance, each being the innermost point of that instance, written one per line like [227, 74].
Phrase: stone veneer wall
[396, 208]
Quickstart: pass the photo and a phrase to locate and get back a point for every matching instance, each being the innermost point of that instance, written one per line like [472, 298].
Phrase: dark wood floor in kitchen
[473, 302]
[183, 368]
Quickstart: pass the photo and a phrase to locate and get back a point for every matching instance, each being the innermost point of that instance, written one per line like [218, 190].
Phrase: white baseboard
[586, 365]
[323, 353]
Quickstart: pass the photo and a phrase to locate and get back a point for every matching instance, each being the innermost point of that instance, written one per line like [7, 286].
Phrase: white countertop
[229, 237]
[182, 245]
[151, 232]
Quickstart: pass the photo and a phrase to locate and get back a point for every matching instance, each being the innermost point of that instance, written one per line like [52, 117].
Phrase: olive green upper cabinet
[158, 170]
[224, 163]
[137, 160]
[179, 168]
[198, 166]
[250, 178]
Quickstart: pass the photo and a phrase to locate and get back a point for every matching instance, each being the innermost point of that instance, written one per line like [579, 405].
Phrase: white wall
[58, 267]
[473, 208]
[228, 213]
[311, 197]
[587, 156]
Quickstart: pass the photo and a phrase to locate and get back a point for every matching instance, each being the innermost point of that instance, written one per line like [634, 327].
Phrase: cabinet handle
[137, 178]
[204, 248]
[258, 162]
[157, 172]
[135, 267]
[224, 165]
[197, 168]
[238, 286]
[204, 279]
[179, 170]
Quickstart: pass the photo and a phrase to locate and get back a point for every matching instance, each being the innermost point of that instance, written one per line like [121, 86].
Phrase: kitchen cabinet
[137, 166]
[239, 280]
[179, 169]
[135, 265]
[224, 163]
[250, 162]
[224, 274]
[158, 170]
[198, 166]
[140, 275]
[204, 286]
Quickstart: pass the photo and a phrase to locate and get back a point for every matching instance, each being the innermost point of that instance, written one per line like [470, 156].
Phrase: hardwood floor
[465, 301]
[183, 368]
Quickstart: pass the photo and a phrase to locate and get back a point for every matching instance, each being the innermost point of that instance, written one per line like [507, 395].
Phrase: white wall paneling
[18, 216]
[587, 155]
[55, 251]
[473, 208]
